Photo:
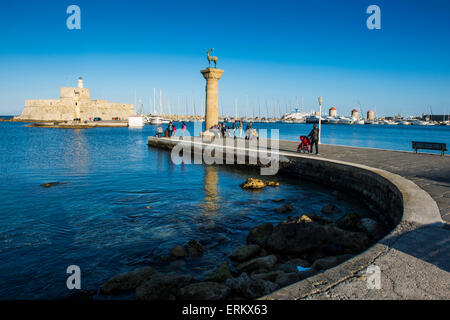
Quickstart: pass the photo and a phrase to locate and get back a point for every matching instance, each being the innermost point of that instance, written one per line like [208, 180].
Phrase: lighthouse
[80, 83]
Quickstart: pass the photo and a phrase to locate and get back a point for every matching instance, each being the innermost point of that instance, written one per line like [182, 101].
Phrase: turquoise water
[98, 217]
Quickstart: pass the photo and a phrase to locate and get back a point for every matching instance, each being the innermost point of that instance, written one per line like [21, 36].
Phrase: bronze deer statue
[211, 58]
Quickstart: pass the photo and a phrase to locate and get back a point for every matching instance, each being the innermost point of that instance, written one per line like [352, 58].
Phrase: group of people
[170, 130]
[221, 130]
[235, 130]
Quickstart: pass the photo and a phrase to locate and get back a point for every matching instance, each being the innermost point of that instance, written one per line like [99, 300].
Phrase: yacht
[155, 120]
[312, 119]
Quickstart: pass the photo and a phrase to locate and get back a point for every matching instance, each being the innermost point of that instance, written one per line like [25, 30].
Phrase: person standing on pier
[314, 136]
[170, 127]
[183, 128]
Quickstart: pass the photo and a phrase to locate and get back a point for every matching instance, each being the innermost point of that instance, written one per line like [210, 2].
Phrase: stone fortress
[74, 103]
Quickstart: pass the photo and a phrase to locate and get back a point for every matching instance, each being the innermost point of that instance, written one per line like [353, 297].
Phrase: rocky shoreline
[272, 258]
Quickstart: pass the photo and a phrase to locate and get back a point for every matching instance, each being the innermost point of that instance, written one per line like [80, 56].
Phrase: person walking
[314, 136]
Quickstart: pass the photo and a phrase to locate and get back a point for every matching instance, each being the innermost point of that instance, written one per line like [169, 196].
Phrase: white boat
[157, 120]
[418, 123]
[312, 119]
[360, 121]
[404, 123]
[344, 120]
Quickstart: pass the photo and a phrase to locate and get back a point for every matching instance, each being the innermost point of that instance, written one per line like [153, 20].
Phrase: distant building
[370, 115]
[74, 103]
[355, 114]
[332, 112]
[436, 117]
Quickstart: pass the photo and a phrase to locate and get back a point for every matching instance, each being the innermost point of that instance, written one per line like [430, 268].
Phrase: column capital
[212, 73]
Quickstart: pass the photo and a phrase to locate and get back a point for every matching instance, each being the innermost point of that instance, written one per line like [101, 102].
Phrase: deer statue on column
[211, 58]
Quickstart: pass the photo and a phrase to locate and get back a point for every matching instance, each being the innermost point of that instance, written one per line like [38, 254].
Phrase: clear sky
[273, 51]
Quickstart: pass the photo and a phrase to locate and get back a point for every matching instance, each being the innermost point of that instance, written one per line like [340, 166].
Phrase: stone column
[212, 76]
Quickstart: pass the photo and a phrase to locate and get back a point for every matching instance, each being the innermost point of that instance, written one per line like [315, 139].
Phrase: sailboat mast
[154, 100]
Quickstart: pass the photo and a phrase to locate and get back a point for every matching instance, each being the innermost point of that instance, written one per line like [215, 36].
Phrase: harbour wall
[401, 203]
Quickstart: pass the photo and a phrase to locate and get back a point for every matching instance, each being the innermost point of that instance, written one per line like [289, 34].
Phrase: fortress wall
[46, 110]
[106, 110]
[72, 98]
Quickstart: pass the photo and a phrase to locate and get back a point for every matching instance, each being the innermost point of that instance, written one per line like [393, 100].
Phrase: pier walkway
[414, 260]
[431, 172]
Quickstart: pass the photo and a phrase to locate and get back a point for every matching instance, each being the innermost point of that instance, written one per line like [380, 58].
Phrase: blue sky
[274, 51]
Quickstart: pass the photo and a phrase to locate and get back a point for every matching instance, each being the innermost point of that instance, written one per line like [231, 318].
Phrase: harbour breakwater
[401, 204]
[276, 256]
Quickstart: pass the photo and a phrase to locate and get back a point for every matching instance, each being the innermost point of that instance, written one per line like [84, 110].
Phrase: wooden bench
[430, 146]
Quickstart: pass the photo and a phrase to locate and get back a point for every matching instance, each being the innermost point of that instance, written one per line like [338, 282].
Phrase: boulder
[245, 252]
[268, 276]
[350, 241]
[284, 279]
[330, 208]
[330, 262]
[220, 274]
[297, 236]
[204, 291]
[195, 248]
[373, 228]
[259, 234]
[162, 286]
[319, 219]
[127, 281]
[178, 252]
[250, 288]
[253, 184]
[258, 264]
[285, 208]
[52, 184]
[350, 221]
[272, 184]
[291, 265]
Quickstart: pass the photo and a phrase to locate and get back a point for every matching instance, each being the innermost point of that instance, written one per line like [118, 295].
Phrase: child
[159, 131]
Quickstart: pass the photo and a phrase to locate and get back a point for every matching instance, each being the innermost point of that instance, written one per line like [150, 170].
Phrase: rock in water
[178, 252]
[285, 208]
[204, 291]
[253, 184]
[373, 228]
[330, 262]
[350, 221]
[297, 236]
[250, 288]
[330, 208]
[162, 287]
[291, 265]
[284, 279]
[350, 241]
[127, 281]
[245, 252]
[262, 264]
[195, 248]
[259, 234]
[52, 184]
[221, 274]
[272, 184]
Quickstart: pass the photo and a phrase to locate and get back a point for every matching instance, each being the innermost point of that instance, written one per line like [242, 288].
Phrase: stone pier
[414, 258]
[212, 76]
